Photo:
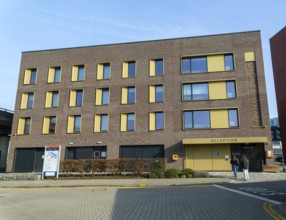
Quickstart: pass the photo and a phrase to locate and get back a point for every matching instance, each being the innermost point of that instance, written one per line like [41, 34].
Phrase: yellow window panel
[72, 98]
[97, 121]
[51, 75]
[152, 94]
[217, 90]
[123, 126]
[49, 96]
[216, 63]
[125, 70]
[249, 56]
[24, 101]
[152, 121]
[21, 125]
[98, 99]
[46, 125]
[74, 73]
[99, 71]
[152, 67]
[70, 128]
[124, 95]
[27, 76]
[219, 118]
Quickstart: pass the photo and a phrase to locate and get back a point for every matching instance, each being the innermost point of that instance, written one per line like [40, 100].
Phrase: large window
[78, 73]
[211, 63]
[197, 119]
[102, 96]
[77, 153]
[74, 124]
[127, 122]
[195, 91]
[214, 118]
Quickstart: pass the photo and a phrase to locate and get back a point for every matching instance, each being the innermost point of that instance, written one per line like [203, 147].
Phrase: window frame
[127, 121]
[156, 63]
[157, 127]
[192, 91]
[129, 95]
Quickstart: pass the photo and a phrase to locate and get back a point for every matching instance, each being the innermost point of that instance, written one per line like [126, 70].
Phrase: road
[200, 202]
[274, 190]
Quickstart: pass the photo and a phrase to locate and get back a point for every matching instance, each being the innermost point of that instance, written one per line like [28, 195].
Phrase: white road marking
[249, 195]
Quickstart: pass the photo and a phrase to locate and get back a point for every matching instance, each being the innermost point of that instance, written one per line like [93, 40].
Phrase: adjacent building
[278, 54]
[276, 139]
[6, 118]
[193, 101]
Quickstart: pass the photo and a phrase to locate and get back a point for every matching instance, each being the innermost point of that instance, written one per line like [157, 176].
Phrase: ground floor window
[28, 160]
[142, 151]
[77, 153]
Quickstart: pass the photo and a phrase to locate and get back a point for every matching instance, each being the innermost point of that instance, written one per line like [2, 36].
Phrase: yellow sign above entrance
[226, 140]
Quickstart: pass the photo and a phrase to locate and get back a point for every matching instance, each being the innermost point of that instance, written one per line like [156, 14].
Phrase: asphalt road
[274, 190]
[200, 202]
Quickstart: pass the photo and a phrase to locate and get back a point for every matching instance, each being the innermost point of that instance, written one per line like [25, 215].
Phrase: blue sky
[36, 25]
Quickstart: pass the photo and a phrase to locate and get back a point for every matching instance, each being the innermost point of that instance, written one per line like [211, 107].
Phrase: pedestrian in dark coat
[235, 164]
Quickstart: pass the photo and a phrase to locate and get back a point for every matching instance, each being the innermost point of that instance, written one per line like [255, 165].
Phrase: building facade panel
[172, 106]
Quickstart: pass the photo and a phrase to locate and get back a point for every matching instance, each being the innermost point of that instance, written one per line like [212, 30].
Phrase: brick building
[278, 54]
[191, 100]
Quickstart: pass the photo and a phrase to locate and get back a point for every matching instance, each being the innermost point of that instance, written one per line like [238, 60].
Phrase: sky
[48, 24]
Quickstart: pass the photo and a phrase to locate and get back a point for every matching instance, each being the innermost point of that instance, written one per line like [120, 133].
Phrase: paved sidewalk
[215, 177]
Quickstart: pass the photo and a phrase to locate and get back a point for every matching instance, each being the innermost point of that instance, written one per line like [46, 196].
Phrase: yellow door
[219, 157]
[203, 157]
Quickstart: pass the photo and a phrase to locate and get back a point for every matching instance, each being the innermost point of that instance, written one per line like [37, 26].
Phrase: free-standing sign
[51, 161]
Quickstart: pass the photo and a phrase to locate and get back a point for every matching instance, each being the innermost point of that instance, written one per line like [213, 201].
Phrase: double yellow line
[269, 209]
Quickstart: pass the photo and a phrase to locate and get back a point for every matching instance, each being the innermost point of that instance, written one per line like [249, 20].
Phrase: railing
[6, 110]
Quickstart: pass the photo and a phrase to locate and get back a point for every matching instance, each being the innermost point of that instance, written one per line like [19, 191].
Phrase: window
[232, 118]
[156, 67]
[156, 93]
[129, 69]
[228, 62]
[197, 119]
[54, 75]
[76, 97]
[156, 121]
[24, 125]
[77, 153]
[101, 123]
[27, 100]
[49, 125]
[30, 76]
[195, 91]
[128, 95]
[211, 63]
[52, 99]
[127, 122]
[230, 89]
[78, 73]
[194, 65]
[103, 71]
[74, 124]
[102, 96]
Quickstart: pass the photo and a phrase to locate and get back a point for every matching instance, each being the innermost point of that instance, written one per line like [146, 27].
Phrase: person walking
[245, 167]
[235, 164]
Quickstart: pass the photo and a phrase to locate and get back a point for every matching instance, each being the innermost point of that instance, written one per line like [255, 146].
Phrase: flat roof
[147, 41]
